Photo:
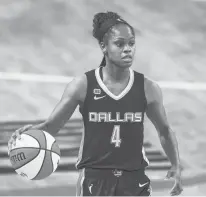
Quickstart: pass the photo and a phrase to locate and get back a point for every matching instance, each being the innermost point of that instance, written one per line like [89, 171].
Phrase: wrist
[177, 166]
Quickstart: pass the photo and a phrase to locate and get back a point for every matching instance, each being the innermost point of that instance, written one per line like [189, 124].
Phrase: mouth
[127, 58]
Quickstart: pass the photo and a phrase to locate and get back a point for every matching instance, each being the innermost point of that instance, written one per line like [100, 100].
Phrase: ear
[103, 47]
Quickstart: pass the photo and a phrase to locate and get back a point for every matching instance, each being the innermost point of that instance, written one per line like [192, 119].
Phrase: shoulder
[79, 81]
[77, 88]
[153, 91]
[138, 74]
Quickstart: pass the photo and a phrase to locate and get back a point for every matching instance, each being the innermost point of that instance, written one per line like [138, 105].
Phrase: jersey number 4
[115, 139]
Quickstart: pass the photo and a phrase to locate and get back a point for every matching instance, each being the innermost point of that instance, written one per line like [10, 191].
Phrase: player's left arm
[157, 115]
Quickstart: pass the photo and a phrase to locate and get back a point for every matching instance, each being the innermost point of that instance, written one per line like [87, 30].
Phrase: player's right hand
[175, 172]
[17, 135]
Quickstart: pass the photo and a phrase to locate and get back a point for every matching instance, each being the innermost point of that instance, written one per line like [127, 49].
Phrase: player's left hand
[175, 172]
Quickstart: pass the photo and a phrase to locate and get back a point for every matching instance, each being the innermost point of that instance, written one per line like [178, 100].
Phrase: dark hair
[102, 23]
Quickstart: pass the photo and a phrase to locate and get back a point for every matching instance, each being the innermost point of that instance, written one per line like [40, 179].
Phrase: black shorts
[106, 182]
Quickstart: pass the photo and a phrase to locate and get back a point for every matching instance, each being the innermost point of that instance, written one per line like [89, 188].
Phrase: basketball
[36, 155]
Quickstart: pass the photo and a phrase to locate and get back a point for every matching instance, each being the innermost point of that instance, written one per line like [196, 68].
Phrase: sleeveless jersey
[113, 125]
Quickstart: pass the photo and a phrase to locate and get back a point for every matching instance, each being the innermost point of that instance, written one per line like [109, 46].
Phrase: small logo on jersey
[99, 97]
[90, 188]
[117, 173]
[142, 185]
[97, 91]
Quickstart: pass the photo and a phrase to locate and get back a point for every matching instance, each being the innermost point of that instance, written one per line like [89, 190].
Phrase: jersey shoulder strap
[139, 85]
[138, 76]
[91, 82]
[91, 78]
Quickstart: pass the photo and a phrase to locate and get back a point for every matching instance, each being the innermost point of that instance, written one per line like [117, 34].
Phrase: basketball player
[113, 99]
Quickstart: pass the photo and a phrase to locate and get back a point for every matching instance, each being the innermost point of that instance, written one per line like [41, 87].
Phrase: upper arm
[74, 94]
[155, 107]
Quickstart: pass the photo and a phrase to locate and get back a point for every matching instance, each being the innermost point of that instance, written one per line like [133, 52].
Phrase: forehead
[121, 31]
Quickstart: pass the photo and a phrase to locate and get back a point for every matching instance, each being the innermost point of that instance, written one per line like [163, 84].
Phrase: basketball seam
[28, 161]
[36, 148]
[34, 138]
[44, 157]
[45, 142]
[53, 151]
[37, 139]
[40, 168]
[39, 149]
[52, 161]
[51, 155]
[33, 158]
[45, 138]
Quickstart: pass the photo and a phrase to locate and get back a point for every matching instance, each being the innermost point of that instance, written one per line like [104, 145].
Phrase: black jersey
[113, 125]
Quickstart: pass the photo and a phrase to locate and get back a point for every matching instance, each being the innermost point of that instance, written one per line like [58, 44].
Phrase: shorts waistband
[95, 172]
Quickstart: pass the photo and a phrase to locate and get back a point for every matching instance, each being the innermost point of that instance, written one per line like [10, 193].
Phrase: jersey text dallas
[109, 117]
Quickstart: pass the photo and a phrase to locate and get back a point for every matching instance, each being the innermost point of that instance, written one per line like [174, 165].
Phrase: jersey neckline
[108, 92]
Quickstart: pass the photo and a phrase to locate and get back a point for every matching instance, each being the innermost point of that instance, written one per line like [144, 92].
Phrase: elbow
[165, 133]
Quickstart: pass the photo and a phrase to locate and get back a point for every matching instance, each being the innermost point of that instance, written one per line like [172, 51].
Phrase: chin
[126, 64]
[123, 64]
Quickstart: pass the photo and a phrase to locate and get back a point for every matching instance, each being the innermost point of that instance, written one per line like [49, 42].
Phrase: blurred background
[44, 43]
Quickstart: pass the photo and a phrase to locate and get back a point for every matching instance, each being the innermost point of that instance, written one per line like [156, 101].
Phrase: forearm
[41, 126]
[45, 126]
[170, 146]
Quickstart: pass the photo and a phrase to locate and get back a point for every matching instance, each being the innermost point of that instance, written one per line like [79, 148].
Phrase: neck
[115, 73]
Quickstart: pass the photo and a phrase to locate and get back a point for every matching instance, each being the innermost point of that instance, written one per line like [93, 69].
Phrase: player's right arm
[74, 95]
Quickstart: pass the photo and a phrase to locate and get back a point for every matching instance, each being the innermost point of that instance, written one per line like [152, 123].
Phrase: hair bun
[100, 18]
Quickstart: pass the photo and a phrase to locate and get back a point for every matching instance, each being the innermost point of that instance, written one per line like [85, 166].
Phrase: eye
[119, 44]
[132, 43]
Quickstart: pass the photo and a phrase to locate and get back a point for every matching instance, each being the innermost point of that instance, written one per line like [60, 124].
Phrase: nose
[127, 49]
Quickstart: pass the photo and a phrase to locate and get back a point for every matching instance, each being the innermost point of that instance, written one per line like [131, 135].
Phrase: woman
[113, 100]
